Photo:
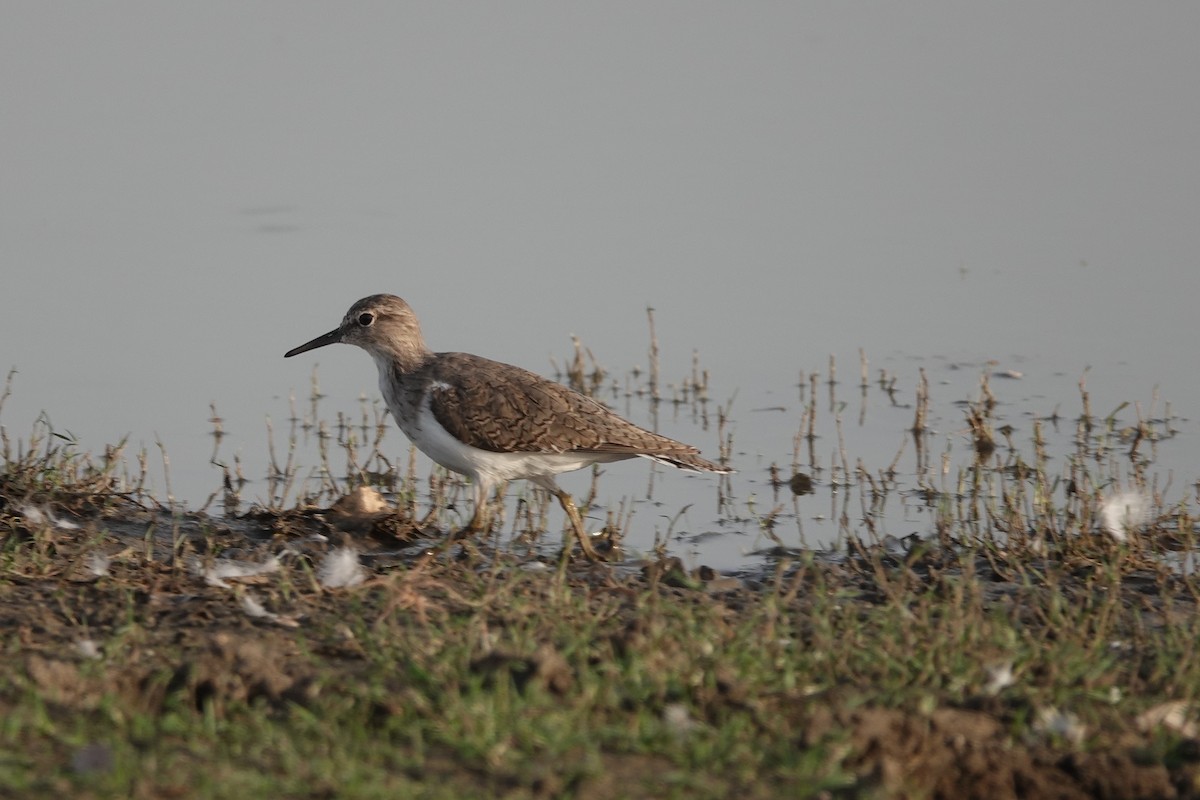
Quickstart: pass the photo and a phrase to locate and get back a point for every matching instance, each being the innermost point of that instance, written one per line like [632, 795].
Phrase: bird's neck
[402, 357]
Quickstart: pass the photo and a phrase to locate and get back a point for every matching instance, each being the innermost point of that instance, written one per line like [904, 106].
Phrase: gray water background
[188, 190]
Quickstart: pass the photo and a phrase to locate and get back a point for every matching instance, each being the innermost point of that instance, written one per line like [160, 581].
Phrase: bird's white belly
[436, 442]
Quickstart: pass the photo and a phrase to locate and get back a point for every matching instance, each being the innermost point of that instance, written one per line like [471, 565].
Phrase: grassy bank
[1041, 642]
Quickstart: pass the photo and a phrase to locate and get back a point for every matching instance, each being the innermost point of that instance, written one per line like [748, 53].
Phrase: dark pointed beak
[333, 337]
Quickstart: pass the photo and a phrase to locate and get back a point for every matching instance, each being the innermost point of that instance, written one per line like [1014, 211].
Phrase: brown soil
[219, 655]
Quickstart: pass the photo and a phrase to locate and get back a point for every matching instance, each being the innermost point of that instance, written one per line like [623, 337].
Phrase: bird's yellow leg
[585, 541]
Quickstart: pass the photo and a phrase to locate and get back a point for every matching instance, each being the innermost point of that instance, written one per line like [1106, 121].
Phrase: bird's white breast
[488, 466]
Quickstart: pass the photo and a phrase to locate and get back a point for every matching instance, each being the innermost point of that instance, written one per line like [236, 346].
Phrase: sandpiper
[490, 421]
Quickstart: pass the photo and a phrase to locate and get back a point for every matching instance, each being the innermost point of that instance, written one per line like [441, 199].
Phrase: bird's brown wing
[502, 408]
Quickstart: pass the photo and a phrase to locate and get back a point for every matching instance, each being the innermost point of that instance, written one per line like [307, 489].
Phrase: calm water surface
[191, 190]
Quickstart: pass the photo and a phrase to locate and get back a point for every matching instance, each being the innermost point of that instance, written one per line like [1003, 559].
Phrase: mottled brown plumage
[505, 409]
[492, 421]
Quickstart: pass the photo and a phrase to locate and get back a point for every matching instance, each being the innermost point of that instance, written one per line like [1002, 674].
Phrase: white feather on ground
[97, 564]
[256, 609]
[223, 569]
[1124, 513]
[88, 648]
[340, 569]
[44, 516]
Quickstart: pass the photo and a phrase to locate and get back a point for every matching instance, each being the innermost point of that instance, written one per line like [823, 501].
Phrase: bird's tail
[687, 461]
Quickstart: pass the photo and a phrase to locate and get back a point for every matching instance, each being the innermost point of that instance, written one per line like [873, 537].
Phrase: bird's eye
[366, 319]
